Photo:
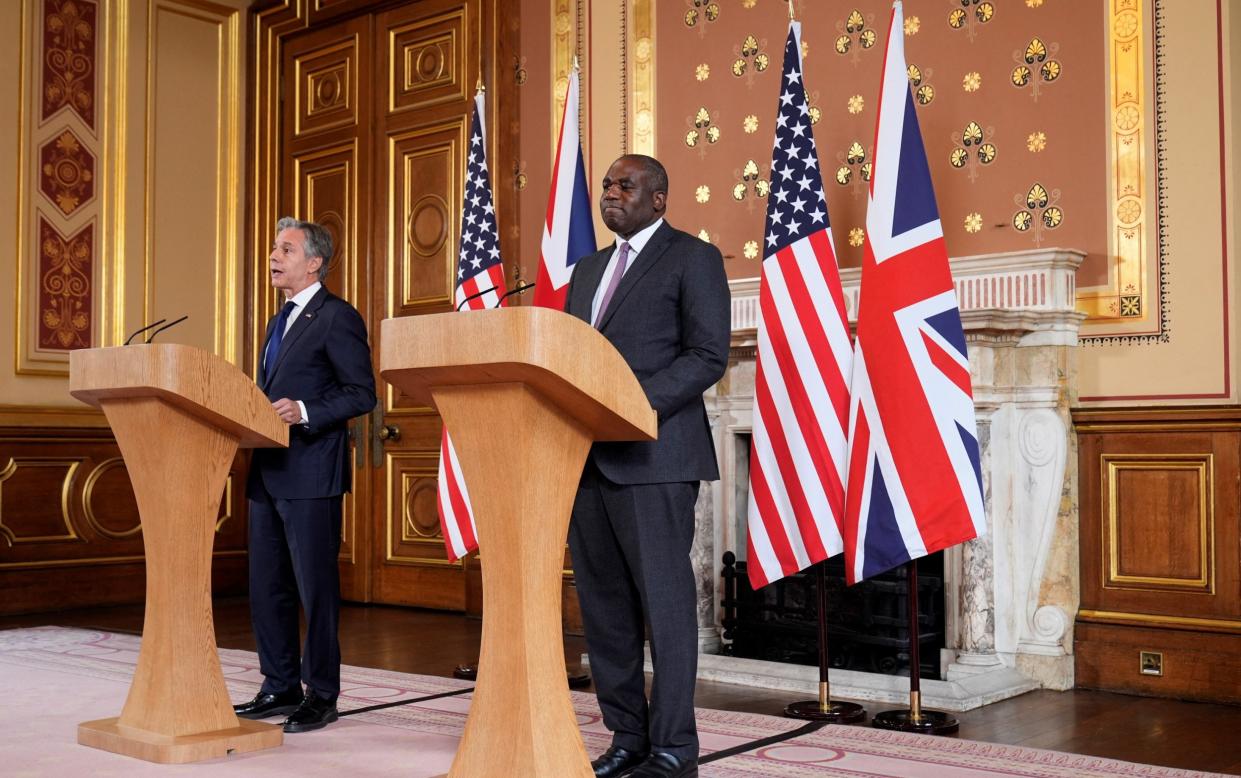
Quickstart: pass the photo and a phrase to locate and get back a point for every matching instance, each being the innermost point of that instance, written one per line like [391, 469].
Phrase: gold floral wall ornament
[912, 25]
[750, 250]
[1037, 211]
[520, 75]
[972, 81]
[750, 124]
[972, 149]
[702, 194]
[705, 236]
[750, 182]
[702, 72]
[970, 15]
[973, 222]
[855, 34]
[857, 236]
[855, 168]
[1036, 66]
[748, 4]
[1036, 141]
[702, 133]
[924, 93]
[856, 104]
[1033, 3]
[520, 179]
[750, 58]
[701, 13]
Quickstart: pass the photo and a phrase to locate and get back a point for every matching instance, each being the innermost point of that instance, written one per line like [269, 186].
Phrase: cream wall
[168, 202]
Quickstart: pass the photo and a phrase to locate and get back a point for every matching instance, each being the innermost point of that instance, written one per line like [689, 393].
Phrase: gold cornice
[1159, 621]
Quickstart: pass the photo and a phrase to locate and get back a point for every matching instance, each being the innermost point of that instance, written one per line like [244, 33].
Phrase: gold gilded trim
[460, 66]
[88, 498]
[1129, 212]
[1201, 464]
[641, 59]
[227, 292]
[1159, 621]
[390, 555]
[113, 177]
[566, 20]
[66, 488]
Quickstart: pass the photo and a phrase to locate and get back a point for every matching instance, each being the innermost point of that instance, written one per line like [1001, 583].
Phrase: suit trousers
[294, 546]
[630, 546]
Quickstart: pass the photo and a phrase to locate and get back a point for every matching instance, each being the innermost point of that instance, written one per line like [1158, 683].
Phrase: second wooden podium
[521, 390]
[179, 415]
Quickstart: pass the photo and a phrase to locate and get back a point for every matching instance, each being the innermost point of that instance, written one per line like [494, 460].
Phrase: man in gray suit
[661, 297]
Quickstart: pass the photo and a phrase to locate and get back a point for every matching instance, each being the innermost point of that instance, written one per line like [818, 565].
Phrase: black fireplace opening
[867, 623]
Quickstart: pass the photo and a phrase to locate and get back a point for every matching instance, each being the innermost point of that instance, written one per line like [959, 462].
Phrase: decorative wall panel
[413, 527]
[327, 194]
[327, 88]
[425, 168]
[59, 211]
[428, 59]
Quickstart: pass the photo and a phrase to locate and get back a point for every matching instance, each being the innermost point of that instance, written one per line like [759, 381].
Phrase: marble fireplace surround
[1010, 596]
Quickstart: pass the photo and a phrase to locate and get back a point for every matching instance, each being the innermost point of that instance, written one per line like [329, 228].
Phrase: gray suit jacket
[670, 319]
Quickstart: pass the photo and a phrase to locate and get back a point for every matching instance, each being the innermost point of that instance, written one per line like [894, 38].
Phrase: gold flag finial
[480, 86]
[792, 14]
[575, 65]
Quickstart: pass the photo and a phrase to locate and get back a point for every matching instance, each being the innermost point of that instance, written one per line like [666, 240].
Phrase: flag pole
[823, 709]
[914, 718]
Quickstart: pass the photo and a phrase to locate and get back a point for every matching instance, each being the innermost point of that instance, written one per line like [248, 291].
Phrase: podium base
[931, 722]
[106, 735]
[836, 713]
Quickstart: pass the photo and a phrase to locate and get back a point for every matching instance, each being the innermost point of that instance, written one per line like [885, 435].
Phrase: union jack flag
[801, 389]
[915, 484]
[568, 231]
[478, 270]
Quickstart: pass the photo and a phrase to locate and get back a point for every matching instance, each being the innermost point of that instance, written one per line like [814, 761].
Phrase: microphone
[513, 291]
[144, 329]
[166, 326]
[474, 296]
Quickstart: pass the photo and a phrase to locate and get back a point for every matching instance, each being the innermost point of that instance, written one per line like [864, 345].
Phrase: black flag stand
[915, 719]
[824, 709]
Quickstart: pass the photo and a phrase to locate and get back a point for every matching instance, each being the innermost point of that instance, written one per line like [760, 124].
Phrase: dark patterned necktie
[277, 336]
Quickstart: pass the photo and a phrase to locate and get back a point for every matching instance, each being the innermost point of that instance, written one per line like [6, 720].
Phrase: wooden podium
[179, 414]
[523, 392]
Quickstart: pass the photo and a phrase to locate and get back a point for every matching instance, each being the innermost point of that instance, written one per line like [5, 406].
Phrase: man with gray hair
[316, 369]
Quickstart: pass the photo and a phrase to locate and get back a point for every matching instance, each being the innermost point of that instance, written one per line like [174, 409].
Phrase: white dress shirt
[299, 300]
[636, 244]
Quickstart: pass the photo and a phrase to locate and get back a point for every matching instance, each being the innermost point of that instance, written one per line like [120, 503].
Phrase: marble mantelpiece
[1011, 595]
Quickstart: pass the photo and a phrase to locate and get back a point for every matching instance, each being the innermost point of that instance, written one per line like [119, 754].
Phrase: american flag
[801, 390]
[915, 485]
[478, 270]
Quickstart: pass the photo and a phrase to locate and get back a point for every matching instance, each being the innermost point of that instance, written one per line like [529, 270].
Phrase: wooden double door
[374, 107]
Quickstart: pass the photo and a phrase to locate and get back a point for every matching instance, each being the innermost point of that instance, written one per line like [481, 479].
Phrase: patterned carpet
[92, 670]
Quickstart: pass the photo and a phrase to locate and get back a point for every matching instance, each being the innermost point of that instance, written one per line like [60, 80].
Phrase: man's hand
[288, 410]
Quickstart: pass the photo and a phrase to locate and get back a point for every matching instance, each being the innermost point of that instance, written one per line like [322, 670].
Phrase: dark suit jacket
[670, 319]
[325, 362]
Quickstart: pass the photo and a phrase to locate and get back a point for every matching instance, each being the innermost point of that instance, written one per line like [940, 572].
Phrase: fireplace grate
[868, 624]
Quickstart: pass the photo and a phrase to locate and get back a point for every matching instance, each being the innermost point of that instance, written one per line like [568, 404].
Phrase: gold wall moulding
[44, 564]
[88, 501]
[9, 532]
[1159, 621]
[1200, 465]
[417, 465]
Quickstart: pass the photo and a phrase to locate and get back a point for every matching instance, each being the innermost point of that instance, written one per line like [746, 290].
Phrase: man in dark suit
[661, 297]
[316, 370]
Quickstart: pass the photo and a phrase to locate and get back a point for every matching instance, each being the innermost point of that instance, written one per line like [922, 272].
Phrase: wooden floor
[1175, 734]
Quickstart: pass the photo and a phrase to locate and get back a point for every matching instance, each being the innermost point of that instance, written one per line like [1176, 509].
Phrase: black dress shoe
[314, 713]
[659, 765]
[266, 704]
[616, 761]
